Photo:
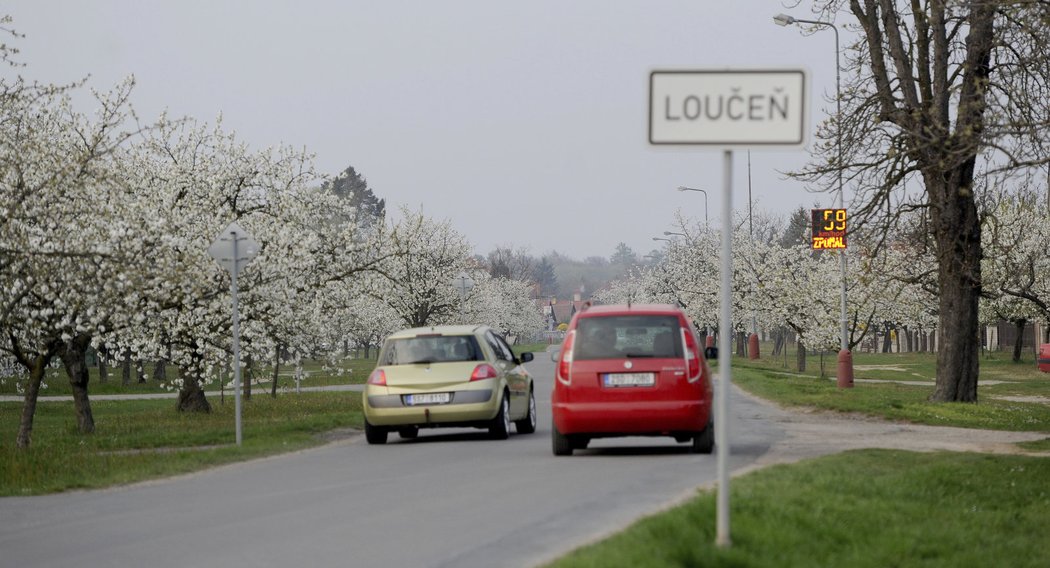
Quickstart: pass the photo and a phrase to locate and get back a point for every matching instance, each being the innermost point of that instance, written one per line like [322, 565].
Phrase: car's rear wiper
[638, 355]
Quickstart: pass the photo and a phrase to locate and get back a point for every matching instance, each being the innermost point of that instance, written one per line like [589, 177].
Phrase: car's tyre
[527, 425]
[408, 432]
[375, 434]
[704, 442]
[500, 427]
[579, 442]
[560, 443]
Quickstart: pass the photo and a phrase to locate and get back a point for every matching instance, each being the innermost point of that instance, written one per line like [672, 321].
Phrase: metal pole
[751, 237]
[784, 20]
[725, 354]
[236, 341]
[842, 193]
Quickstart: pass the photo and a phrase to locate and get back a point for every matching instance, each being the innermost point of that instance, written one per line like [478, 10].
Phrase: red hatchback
[631, 371]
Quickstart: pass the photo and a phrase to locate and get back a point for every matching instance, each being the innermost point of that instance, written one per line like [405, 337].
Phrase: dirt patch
[1032, 399]
[339, 434]
[812, 433]
[880, 368]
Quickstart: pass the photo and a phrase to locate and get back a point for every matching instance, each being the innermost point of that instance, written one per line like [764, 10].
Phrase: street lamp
[672, 233]
[684, 188]
[786, 20]
[663, 239]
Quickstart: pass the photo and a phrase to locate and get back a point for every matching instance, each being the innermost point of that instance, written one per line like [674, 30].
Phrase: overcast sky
[524, 123]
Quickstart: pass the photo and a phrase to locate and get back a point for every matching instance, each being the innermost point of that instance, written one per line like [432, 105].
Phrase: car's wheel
[375, 434]
[527, 425]
[500, 428]
[561, 444]
[704, 442]
[408, 432]
[579, 442]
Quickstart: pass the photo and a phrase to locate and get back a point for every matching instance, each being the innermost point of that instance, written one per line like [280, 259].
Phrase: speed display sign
[829, 229]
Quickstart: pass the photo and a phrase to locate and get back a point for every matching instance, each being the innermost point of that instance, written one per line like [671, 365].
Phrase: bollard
[752, 346]
[845, 369]
[1044, 358]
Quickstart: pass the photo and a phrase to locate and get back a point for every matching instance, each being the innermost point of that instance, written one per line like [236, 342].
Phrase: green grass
[315, 373]
[907, 401]
[529, 348]
[866, 508]
[135, 440]
[1037, 446]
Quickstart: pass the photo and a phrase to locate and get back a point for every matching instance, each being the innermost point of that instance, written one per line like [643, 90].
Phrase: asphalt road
[449, 498]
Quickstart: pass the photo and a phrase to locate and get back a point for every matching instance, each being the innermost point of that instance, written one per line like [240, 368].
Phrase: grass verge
[863, 508]
[136, 440]
[315, 373]
[905, 384]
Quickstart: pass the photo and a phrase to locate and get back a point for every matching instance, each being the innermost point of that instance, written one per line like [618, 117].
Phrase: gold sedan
[448, 376]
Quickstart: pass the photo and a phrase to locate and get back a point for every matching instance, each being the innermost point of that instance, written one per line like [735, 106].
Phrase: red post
[845, 369]
[752, 346]
[710, 341]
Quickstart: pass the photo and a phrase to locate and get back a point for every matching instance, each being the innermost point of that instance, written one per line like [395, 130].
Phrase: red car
[631, 371]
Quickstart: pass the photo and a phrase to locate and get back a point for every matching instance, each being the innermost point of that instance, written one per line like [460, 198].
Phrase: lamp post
[672, 233]
[684, 188]
[663, 239]
[845, 358]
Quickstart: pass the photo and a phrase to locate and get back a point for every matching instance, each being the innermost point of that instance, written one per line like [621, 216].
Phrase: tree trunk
[125, 379]
[276, 369]
[1019, 325]
[800, 357]
[103, 368]
[160, 370]
[957, 231]
[779, 341]
[140, 368]
[887, 340]
[191, 395]
[74, 358]
[741, 344]
[248, 375]
[37, 367]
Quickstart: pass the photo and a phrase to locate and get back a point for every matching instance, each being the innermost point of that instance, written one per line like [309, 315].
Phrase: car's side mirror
[526, 357]
[711, 353]
[555, 355]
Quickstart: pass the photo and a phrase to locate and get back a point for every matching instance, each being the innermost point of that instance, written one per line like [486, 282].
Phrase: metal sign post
[233, 249]
[727, 108]
[463, 284]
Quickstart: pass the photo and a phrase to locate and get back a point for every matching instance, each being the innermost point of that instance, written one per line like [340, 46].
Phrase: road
[451, 498]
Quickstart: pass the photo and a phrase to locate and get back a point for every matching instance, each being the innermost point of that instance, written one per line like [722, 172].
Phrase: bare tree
[938, 95]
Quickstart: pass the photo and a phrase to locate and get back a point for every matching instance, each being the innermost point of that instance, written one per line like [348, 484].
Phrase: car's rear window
[430, 349]
[607, 337]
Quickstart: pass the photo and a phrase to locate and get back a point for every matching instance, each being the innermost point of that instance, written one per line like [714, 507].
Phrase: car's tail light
[692, 356]
[483, 371]
[565, 363]
[378, 377]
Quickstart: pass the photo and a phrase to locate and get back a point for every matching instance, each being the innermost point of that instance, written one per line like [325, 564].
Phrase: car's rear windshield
[430, 349]
[607, 337]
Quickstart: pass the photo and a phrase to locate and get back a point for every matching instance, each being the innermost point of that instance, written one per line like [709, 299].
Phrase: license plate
[428, 398]
[629, 379]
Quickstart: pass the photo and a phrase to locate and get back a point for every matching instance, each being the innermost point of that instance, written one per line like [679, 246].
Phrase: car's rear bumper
[385, 407]
[631, 418]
